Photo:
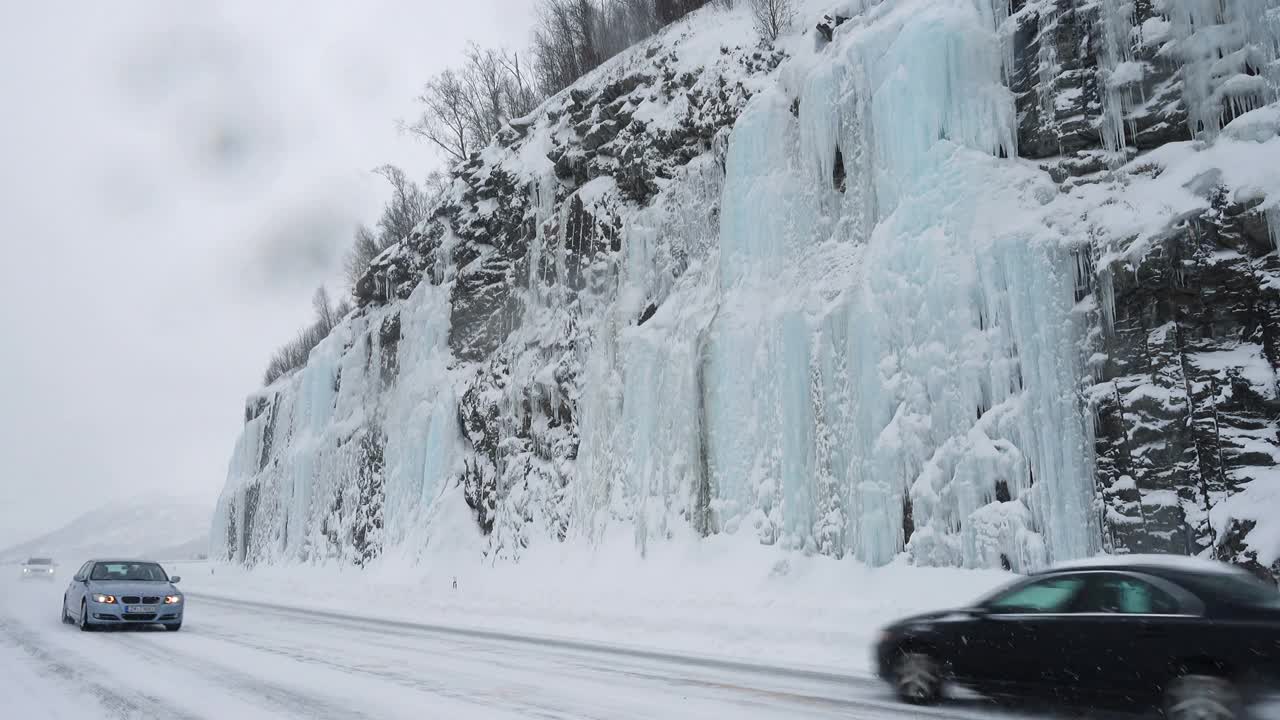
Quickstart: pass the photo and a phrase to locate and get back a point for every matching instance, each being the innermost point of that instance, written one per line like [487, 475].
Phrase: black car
[1195, 638]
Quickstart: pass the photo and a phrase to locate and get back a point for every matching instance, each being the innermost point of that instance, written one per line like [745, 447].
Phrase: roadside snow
[721, 598]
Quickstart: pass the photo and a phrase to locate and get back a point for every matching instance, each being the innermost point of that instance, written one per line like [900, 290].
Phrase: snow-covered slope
[163, 529]
[981, 284]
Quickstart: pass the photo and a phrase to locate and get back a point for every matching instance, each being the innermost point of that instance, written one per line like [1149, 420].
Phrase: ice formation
[817, 302]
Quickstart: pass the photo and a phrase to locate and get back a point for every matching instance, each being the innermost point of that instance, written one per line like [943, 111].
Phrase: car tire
[917, 677]
[1202, 697]
[66, 616]
[85, 625]
[173, 627]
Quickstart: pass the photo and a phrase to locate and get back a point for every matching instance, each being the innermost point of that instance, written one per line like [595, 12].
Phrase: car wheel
[85, 625]
[917, 678]
[173, 627]
[66, 616]
[1201, 697]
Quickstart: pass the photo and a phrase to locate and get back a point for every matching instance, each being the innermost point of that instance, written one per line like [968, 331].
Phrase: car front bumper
[118, 614]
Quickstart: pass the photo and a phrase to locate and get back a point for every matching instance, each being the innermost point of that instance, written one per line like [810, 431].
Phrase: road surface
[243, 661]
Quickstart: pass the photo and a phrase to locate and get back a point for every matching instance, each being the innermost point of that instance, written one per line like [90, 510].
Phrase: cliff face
[987, 285]
[1184, 392]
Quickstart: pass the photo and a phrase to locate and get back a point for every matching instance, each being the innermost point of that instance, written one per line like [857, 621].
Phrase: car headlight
[172, 599]
[104, 599]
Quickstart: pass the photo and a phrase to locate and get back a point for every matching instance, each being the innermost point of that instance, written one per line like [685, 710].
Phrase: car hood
[955, 614]
[120, 587]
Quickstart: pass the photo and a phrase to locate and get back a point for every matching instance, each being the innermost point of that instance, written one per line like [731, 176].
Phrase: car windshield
[128, 571]
[39, 561]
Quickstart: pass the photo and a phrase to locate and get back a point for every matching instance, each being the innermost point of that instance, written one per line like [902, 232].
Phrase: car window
[1042, 596]
[1233, 588]
[1128, 595]
[83, 572]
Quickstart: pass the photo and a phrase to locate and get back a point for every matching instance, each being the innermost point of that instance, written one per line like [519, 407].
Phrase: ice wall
[887, 368]
[812, 296]
[350, 454]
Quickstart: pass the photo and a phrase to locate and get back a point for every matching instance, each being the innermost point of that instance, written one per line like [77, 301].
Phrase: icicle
[1107, 299]
[1120, 74]
[1229, 50]
[1047, 60]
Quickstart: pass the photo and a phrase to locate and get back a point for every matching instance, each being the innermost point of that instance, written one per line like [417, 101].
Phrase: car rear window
[1235, 589]
[39, 561]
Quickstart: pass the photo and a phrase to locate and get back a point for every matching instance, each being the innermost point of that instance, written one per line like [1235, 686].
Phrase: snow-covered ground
[722, 598]
[236, 660]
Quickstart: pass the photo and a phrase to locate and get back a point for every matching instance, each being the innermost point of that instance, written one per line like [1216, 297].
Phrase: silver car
[107, 593]
[38, 568]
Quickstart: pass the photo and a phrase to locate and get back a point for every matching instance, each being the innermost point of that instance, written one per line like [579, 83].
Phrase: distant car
[1193, 637]
[122, 592]
[38, 568]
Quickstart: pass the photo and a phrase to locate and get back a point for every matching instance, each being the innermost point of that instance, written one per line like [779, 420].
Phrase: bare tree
[522, 98]
[623, 23]
[572, 37]
[363, 250]
[668, 11]
[434, 186]
[485, 80]
[324, 310]
[446, 117]
[564, 43]
[772, 17]
[295, 353]
[407, 207]
[464, 108]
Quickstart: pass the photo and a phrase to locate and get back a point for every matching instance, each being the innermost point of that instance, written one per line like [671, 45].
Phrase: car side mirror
[175, 579]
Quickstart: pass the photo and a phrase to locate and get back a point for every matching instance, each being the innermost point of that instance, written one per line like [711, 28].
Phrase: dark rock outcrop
[1186, 398]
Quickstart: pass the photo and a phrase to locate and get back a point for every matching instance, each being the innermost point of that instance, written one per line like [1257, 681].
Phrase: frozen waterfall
[842, 327]
[886, 362]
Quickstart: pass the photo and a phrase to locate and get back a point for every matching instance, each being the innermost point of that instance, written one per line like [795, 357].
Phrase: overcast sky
[175, 179]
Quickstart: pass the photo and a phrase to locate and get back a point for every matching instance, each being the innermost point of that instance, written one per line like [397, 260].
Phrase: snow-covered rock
[985, 285]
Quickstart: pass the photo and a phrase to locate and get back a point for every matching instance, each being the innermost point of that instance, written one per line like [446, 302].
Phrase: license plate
[140, 609]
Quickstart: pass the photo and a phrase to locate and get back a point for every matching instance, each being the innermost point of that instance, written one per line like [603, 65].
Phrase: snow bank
[722, 598]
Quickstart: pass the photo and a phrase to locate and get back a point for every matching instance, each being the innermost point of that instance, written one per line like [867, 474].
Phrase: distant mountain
[164, 529]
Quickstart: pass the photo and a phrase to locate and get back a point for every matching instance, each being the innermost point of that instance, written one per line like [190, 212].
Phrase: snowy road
[254, 661]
